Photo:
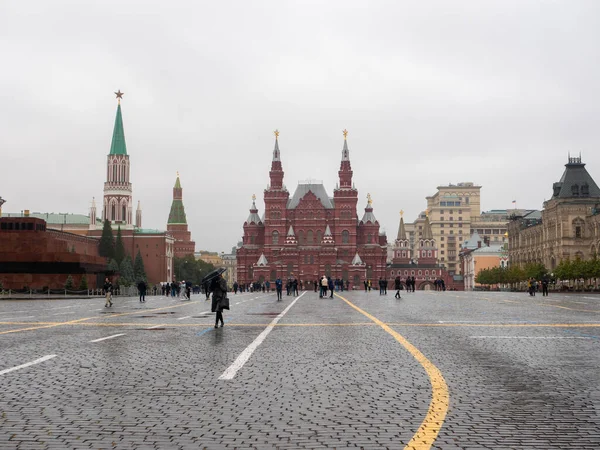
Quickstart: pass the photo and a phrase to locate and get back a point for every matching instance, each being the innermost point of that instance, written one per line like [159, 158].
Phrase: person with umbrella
[219, 298]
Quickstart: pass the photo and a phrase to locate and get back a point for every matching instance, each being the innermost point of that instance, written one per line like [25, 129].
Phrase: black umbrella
[212, 275]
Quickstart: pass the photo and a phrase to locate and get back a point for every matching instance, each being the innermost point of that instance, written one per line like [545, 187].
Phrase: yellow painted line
[58, 324]
[425, 436]
[498, 325]
[45, 326]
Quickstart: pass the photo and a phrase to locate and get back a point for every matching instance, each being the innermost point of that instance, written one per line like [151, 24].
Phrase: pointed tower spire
[401, 228]
[253, 217]
[177, 214]
[276, 173]
[427, 233]
[345, 172]
[118, 146]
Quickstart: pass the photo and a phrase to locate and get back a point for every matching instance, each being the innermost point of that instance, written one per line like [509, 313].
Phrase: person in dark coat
[108, 289]
[398, 287]
[278, 288]
[331, 286]
[219, 291]
[142, 287]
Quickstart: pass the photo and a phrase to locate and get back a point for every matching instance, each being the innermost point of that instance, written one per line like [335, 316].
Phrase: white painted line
[245, 355]
[528, 337]
[108, 337]
[22, 366]
[186, 317]
[155, 326]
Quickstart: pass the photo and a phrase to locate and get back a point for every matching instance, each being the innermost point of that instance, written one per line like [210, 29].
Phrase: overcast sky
[431, 92]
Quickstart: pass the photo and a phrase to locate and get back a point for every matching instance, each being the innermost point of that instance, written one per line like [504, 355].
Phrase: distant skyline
[496, 93]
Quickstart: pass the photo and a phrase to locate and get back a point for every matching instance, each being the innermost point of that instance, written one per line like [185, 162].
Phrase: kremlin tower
[177, 224]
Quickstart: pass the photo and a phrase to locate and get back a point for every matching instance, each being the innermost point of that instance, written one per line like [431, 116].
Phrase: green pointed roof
[118, 147]
[177, 214]
[177, 183]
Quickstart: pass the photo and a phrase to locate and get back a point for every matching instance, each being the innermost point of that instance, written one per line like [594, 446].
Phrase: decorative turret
[576, 182]
[118, 201]
[290, 239]
[357, 261]
[93, 214]
[426, 251]
[369, 217]
[402, 250]
[262, 261]
[327, 237]
[345, 172]
[254, 217]
[138, 215]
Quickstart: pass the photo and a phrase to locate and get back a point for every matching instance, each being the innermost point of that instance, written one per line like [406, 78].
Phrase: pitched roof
[575, 182]
[118, 147]
[262, 261]
[357, 261]
[427, 233]
[401, 230]
[177, 214]
[474, 241]
[253, 217]
[316, 188]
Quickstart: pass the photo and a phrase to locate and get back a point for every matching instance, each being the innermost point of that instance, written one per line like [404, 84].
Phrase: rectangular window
[441, 211]
[460, 212]
[441, 225]
[459, 218]
[442, 252]
[451, 218]
[442, 245]
[442, 238]
[441, 231]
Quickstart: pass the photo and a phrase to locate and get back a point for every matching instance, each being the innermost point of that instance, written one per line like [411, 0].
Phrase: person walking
[545, 283]
[331, 287]
[324, 285]
[235, 287]
[108, 289]
[142, 287]
[295, 287]
[398, 287]
[219, 299]
[279, 288]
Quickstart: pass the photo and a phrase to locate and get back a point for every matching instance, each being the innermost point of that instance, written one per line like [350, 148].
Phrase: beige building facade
[567, 228]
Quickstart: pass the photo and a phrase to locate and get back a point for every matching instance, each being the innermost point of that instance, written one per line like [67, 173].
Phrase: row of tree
[189, 268]
[510, 275]
[130, 271]
[566, 270]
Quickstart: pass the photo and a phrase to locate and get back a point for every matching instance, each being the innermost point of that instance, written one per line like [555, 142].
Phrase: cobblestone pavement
[357, 370]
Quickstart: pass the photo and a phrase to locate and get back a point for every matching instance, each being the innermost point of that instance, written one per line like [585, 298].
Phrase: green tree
[106, 247]
[119, 248]
[190, 269]
[83, 284]
[126, 272]
[138, 268]
[113, 266]
[535, 270]
[69, 283]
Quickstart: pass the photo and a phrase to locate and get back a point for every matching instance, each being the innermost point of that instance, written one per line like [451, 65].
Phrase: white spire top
[139, 206]
[291, 231]
[357, 261]
[327, 231]
[262, 261]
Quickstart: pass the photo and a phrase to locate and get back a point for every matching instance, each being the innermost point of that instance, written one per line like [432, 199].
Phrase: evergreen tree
[113, 266]
[69, 283]
[106, 247]
[138, 268]
[83, 284]
[119, 248]
[126, 277]
[1, 286]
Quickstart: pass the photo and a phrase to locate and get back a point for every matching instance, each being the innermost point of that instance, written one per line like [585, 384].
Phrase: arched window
[123, 214]
[309, 237]
[345, 237]
[290, 268]
[113, 212]
[319, 236]
[252, 239]
[429, 253]
[433, 272]
[328, 270]
[114, 177]
[273, 275]
[275, 237]
[370, 239]
[404, 254]
[301, 237]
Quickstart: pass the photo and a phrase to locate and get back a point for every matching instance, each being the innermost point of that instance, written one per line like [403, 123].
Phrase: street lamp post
[2, 202]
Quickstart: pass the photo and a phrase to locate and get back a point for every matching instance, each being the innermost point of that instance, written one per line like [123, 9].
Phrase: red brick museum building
[311, 233]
